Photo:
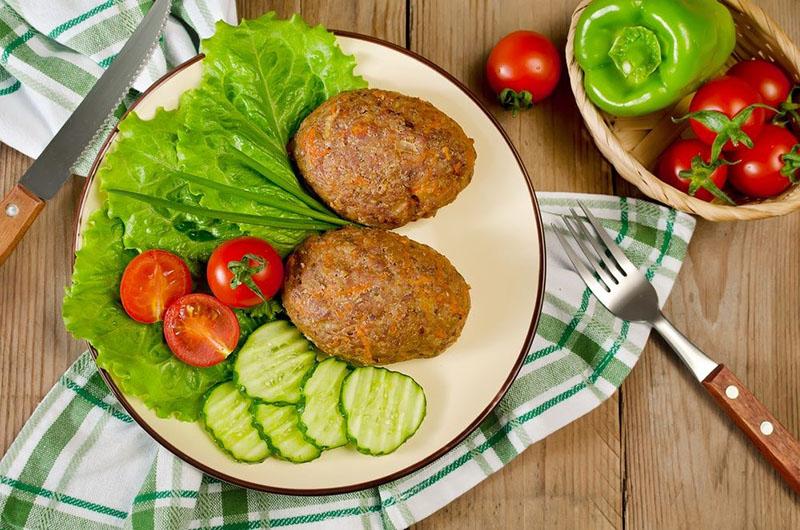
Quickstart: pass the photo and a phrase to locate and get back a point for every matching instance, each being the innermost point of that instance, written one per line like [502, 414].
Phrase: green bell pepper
[640, 56]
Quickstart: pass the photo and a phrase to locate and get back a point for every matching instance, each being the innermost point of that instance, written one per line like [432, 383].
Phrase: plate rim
[537, 309]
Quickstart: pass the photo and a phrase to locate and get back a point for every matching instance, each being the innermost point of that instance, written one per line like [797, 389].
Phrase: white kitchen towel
[53, 51]
[82, 462]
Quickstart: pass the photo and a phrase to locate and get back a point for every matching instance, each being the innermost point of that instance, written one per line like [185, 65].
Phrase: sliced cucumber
[320, 417]
[226, 416]
[278, 424]
[382, 409]
[274, 362]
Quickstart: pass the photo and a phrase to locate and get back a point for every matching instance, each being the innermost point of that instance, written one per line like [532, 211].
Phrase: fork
[623, 289]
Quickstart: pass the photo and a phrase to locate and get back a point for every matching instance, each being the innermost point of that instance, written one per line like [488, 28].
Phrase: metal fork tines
[610, 275]
[625, 291]
[619, 285]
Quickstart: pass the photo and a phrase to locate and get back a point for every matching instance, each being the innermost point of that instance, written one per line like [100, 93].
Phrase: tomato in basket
[769, 80]
[686, 165]
[770, 167]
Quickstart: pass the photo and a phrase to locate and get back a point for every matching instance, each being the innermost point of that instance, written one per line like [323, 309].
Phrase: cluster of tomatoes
[201, 329]
[742, 122]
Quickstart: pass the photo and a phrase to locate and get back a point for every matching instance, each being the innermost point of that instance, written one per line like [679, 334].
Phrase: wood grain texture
[779, 447]
[573, 478]
[18, 210]
[659, 454]
[34, 347]
[381, 18]
[686, 464]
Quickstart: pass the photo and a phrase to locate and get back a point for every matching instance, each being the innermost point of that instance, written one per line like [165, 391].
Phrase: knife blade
[48, 173]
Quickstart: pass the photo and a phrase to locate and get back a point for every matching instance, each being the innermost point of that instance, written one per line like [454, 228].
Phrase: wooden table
[657, 454]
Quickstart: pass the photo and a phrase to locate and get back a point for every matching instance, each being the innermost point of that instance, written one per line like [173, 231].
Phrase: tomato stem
[791, 163]
[788, 110]
[515, 101]
[243, 272]
[726, 129]
[699, 176]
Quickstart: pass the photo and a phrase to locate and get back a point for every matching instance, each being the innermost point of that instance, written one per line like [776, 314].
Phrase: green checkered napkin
[81, 461]
[52, 52]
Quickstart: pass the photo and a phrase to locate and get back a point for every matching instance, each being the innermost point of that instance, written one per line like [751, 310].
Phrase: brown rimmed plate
[492, 233]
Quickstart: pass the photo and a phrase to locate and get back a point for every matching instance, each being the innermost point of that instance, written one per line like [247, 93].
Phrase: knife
[20, 207]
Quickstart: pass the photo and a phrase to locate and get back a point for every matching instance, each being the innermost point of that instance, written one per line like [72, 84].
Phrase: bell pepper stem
[636, 53]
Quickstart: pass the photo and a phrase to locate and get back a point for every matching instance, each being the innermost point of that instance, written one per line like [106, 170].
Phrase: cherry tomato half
[678, 158]
[769, 80]
[200, 330]
[151, 282]
[727, 95]
[244, 272]
[758, 173]
[524, 61]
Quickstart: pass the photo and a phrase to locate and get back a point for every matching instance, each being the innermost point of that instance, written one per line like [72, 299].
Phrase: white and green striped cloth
[52, 52]
[81, 461]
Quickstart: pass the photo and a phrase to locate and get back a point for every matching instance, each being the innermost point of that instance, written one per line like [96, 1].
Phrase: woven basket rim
[633, 171]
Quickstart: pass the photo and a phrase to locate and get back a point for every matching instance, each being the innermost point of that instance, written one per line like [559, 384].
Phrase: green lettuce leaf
[135, 354]
[145, 161]
[191, 178]
[224, 149]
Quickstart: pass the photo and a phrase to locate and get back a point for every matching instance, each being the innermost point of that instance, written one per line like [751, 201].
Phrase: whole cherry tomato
[685, 166]
[244, 272]
[770, 167]
[523, 68]
[728, 96]
[769, 80]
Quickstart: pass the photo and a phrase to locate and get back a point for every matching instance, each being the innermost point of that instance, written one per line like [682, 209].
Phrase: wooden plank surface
[686, 464]
[656, 455]
[548, 485]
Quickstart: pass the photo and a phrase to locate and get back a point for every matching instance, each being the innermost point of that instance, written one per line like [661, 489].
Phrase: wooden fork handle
[18, 209]
[776, 444]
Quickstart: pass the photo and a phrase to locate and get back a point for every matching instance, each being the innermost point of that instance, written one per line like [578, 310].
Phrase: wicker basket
[633, 145]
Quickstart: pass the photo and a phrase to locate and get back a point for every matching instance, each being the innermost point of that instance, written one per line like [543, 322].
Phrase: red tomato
[523, 61]
[727, 95]
[151, 282]
[768, 168]
[200, 330]
[244, 272]
[676, 169]
[769, 80]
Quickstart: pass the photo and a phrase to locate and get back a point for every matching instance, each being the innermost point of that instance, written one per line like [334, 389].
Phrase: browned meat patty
[381, 158]
[374, 297]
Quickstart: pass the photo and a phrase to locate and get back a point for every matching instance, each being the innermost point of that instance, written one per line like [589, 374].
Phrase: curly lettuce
[188, 179]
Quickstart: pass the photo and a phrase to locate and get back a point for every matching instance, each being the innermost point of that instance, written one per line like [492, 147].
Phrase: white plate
[491, 233]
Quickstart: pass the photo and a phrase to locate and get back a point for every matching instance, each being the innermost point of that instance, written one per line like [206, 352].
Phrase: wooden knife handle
[778, 446]
[18, 209]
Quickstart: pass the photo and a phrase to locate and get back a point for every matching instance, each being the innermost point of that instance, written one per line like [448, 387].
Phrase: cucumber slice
[227, 419]
[382, 409]
[320, 417]
[274, 362]
[278, 425]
